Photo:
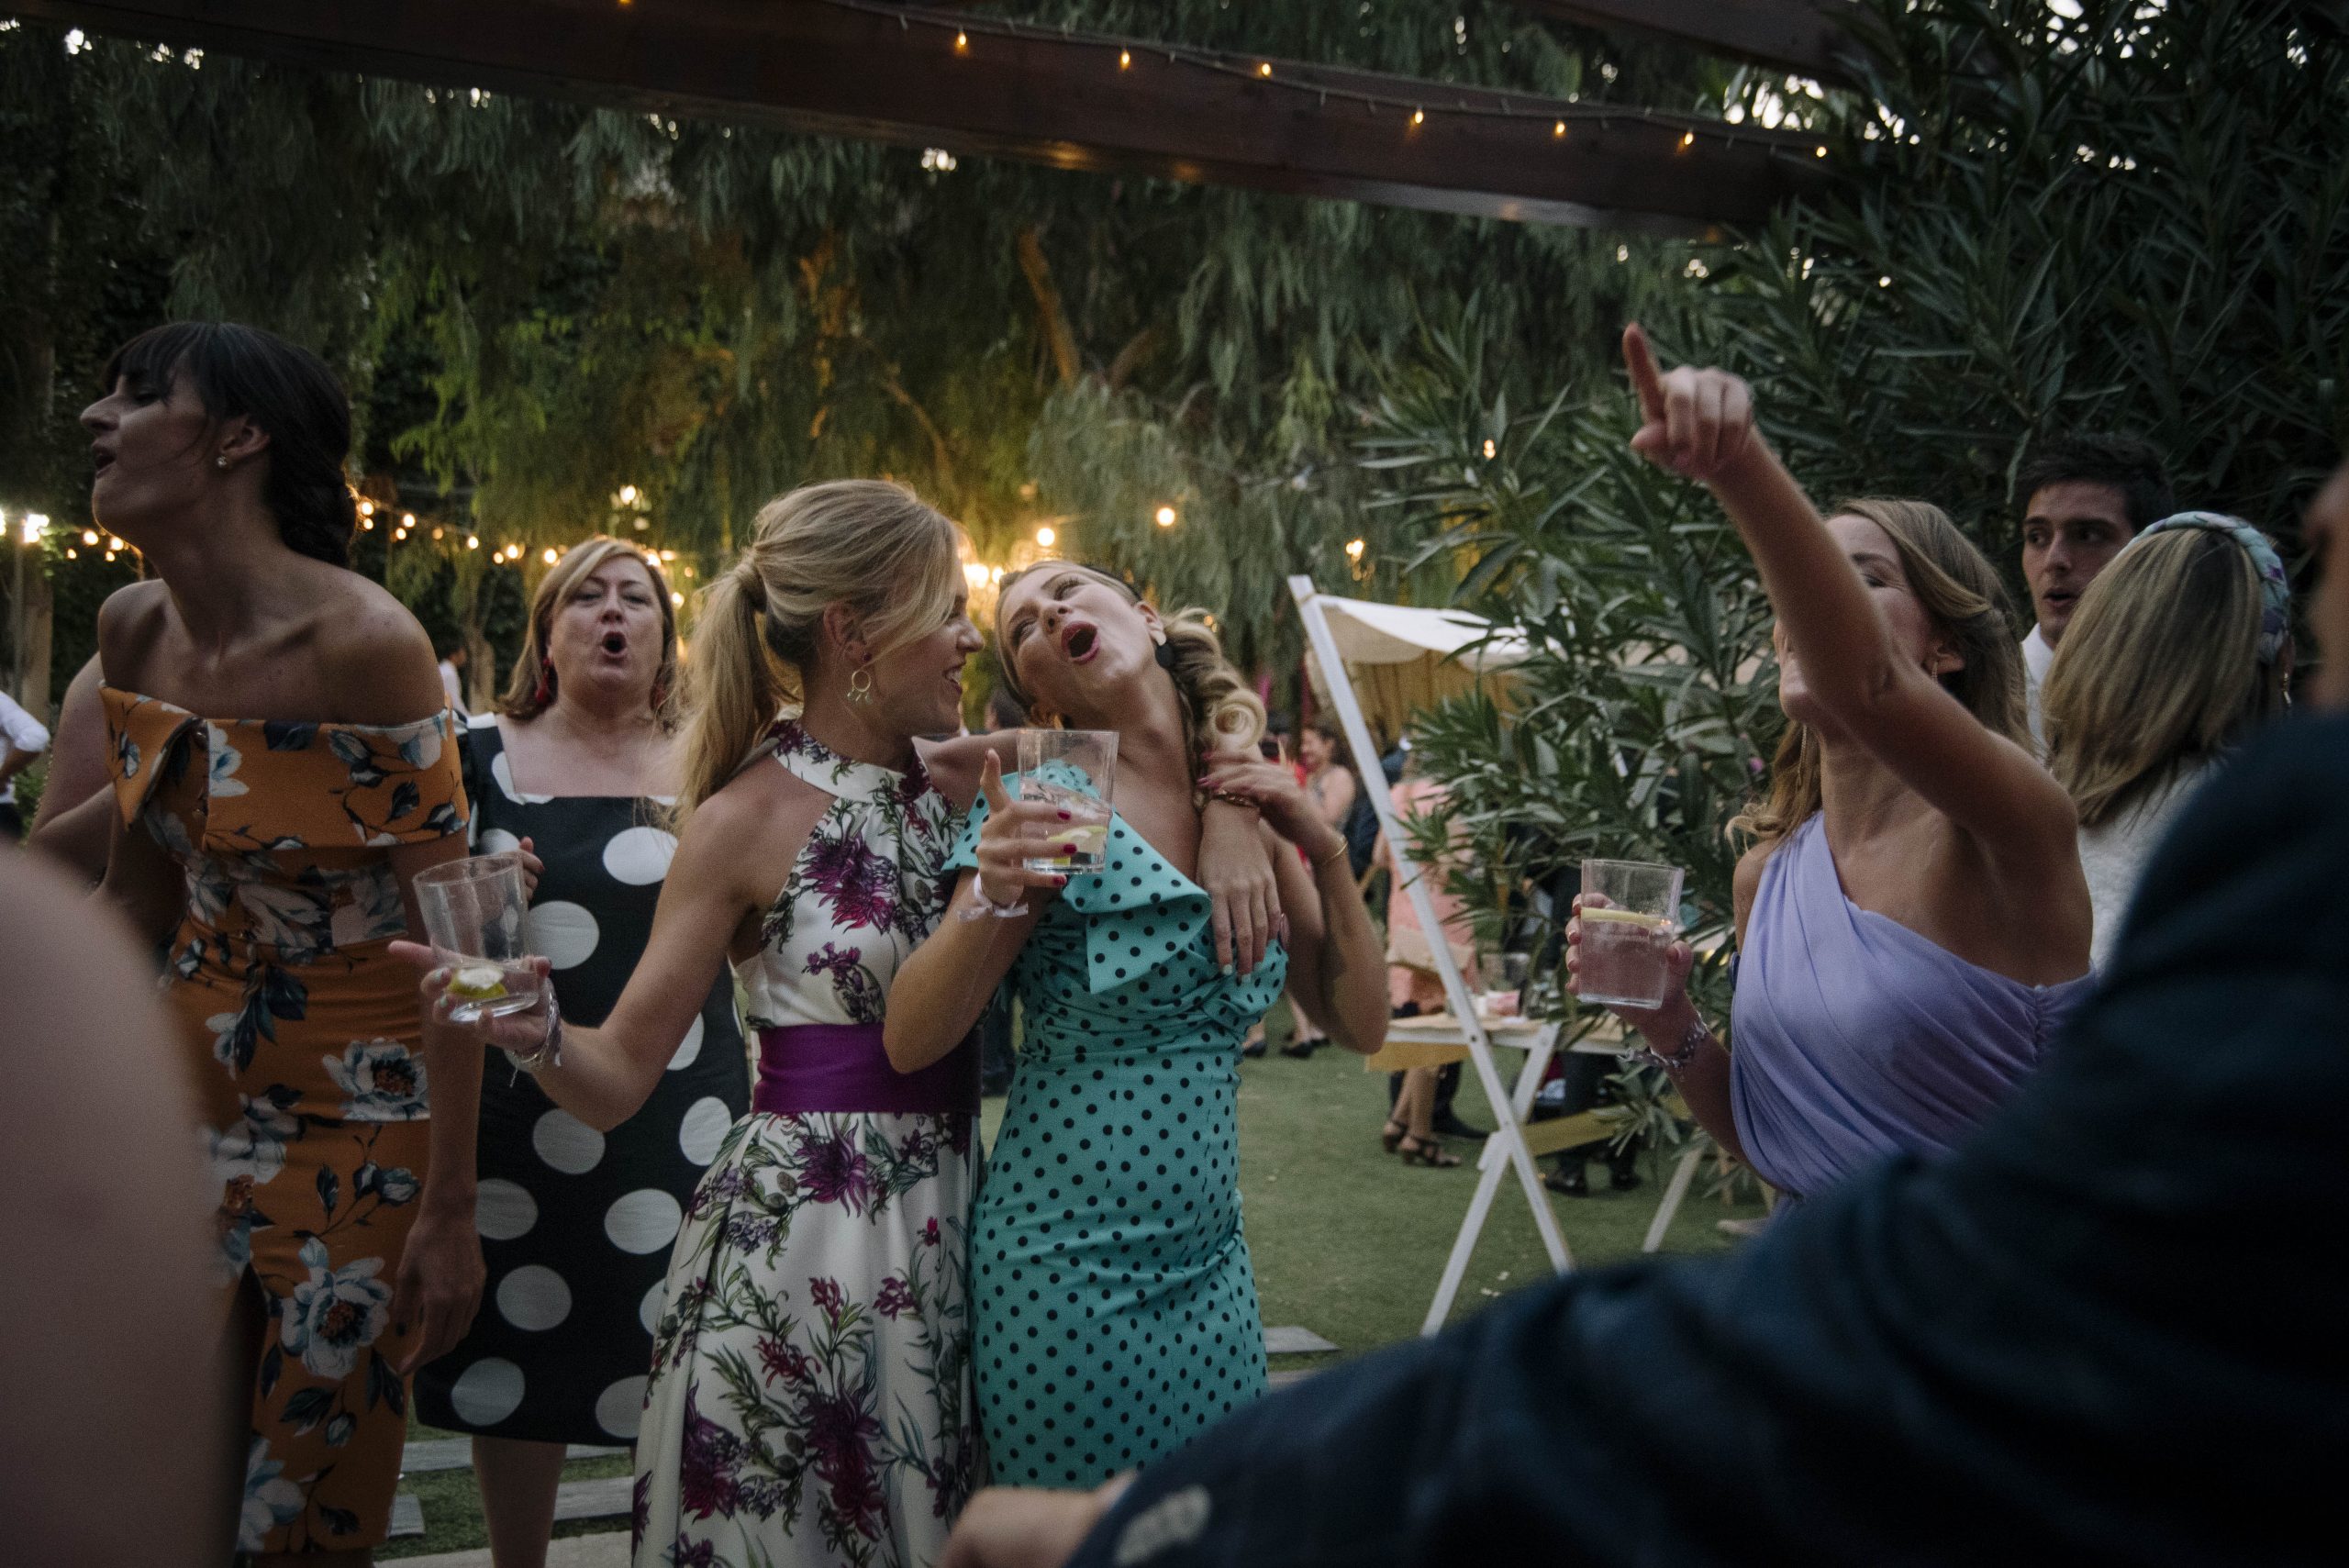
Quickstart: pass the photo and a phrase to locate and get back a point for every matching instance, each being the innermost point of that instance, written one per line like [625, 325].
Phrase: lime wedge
[478, 983]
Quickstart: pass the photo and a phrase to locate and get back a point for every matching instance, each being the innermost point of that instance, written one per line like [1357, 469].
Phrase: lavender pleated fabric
[1855, 1038]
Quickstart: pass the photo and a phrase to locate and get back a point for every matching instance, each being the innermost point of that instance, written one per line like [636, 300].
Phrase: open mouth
[1079, 641]
[100, 460]
[615, 644]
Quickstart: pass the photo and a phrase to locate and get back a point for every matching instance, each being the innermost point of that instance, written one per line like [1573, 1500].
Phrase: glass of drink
[472, 916]
[1630, 918]
[1073, 770]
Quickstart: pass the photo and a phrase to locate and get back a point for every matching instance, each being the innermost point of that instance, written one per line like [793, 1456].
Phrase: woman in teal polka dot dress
[1116, 1308]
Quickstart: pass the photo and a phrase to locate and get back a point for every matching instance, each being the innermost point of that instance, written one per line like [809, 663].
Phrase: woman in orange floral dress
[277, 851]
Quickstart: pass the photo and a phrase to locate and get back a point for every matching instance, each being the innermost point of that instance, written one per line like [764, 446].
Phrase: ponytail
[873, 545]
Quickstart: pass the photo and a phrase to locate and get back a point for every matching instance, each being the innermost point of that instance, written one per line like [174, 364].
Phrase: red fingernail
[1066, 817]
[1060, 882]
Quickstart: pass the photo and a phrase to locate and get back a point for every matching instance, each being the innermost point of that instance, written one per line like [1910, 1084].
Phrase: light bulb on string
[1490, 448]
[549, 555]
[1354, 547]
[89, 536]
[1164, 518]
[113, 544]
[1559, 128]
[1418, 117]
[1125, 59]
[1264, 68]
[962, 41]
[1047, 537]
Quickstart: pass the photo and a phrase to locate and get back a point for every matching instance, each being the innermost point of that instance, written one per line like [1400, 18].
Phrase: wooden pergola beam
[1817, 39]
[852, 68]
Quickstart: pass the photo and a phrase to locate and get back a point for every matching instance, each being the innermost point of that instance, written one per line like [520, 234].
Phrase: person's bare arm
[71, 826]
[1337, 964]
[730, 845]
[945, 983]
[1699, 423]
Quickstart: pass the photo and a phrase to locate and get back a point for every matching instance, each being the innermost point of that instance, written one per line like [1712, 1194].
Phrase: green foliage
[2133, 220]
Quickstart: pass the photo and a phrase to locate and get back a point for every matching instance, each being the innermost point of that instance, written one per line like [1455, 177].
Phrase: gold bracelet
[1332, 856]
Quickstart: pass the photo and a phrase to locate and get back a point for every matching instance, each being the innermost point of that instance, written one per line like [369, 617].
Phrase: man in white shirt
[453, 659]
[2083, 497]
[22, 738]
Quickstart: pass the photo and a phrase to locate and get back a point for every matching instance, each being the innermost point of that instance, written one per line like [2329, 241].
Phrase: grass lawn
[1348, 1241]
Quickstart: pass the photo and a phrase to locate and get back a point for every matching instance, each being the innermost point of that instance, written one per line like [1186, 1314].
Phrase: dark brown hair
[289, 393]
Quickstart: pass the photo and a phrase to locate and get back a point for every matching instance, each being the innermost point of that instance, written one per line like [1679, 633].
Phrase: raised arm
[1699, 423]
[1337, 964]
[943, 986]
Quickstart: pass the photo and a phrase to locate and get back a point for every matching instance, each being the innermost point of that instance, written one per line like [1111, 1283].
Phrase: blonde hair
[1215, 700]
[1961, 597]
[875, 547]
[2158, 668]
[527, 694]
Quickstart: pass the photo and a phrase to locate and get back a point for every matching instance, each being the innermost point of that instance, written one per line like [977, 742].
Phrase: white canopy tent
[1399, 659]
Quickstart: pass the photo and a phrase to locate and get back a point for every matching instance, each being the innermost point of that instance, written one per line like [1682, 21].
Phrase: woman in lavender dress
[1912, 920]
[809, 1397]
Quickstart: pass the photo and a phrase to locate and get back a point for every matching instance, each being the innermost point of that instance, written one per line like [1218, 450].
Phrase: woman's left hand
[1242, 892]
[440, 1283]
[1272, 789]
[533, 869]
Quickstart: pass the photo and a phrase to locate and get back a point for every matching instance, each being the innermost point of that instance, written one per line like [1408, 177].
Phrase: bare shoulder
[750, 832]
[128, 623]
[374, 655]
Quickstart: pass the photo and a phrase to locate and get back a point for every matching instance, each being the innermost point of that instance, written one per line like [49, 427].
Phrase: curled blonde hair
[2159, 668]
[1217, 703]
[526, 696]
[875, 547]
[1961, 596]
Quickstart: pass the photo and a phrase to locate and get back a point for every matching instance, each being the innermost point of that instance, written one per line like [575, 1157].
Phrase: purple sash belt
[842, 1068]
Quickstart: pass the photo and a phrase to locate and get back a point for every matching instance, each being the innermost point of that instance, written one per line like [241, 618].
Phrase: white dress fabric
[2037, 655]
[2113, 854]
[810, 1396]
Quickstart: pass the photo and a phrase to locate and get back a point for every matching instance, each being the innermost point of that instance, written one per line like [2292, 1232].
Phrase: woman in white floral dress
[810, 1400]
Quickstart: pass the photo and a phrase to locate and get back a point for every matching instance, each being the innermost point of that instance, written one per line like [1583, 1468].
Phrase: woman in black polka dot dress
[1116, 1304]
[577, 1224]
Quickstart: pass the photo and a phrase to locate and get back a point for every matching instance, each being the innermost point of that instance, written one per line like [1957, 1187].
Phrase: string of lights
[1555, 121]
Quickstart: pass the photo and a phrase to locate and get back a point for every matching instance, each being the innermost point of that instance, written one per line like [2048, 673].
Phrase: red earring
[545, 692]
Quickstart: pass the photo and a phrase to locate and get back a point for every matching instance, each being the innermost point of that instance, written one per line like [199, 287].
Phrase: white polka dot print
[648, 1311]
[567, 1143]
[487, 1392]
[639, 856]
[704, 1129]
[643, 1222]
[533, 1297]
[503, 1209]
[565, 932]
[497, 841]
[620, 1408]
[690, 1047]
[502, 770]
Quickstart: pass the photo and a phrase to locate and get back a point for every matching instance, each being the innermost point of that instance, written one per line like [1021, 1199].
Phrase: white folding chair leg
[1682, 1175]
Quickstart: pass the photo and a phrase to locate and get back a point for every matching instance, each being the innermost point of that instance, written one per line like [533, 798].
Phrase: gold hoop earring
[859, 686]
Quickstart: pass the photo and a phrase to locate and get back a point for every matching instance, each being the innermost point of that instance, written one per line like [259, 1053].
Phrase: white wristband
[985, 906]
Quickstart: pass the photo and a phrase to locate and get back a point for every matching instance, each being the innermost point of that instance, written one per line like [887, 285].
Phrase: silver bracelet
[1693, 1040]
[550, 1051]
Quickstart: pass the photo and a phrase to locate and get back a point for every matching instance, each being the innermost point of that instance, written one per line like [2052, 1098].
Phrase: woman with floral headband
[2178, 650]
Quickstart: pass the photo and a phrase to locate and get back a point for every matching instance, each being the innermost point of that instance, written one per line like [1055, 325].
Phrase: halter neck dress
[1117, 1304]
[1855, 1038]
[810, 1389]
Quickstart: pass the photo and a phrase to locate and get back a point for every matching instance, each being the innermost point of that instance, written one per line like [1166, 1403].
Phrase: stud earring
[221, 461]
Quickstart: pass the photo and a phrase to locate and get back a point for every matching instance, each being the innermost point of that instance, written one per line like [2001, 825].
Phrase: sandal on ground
[1426, 1151]
[1393, 1133]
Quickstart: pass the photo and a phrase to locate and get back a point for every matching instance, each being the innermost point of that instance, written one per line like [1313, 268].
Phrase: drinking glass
[1073, 770]
[472, 916]
[1631, 917]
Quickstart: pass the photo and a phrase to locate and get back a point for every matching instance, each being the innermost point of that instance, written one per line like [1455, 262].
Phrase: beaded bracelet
[1693, 1040]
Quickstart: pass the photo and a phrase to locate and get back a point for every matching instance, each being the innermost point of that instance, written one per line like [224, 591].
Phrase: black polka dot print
[1117, 1308]
[576, 1224]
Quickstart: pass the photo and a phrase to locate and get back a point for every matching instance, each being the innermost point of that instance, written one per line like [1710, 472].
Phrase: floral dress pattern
[301, 1033]
[810, 1391]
